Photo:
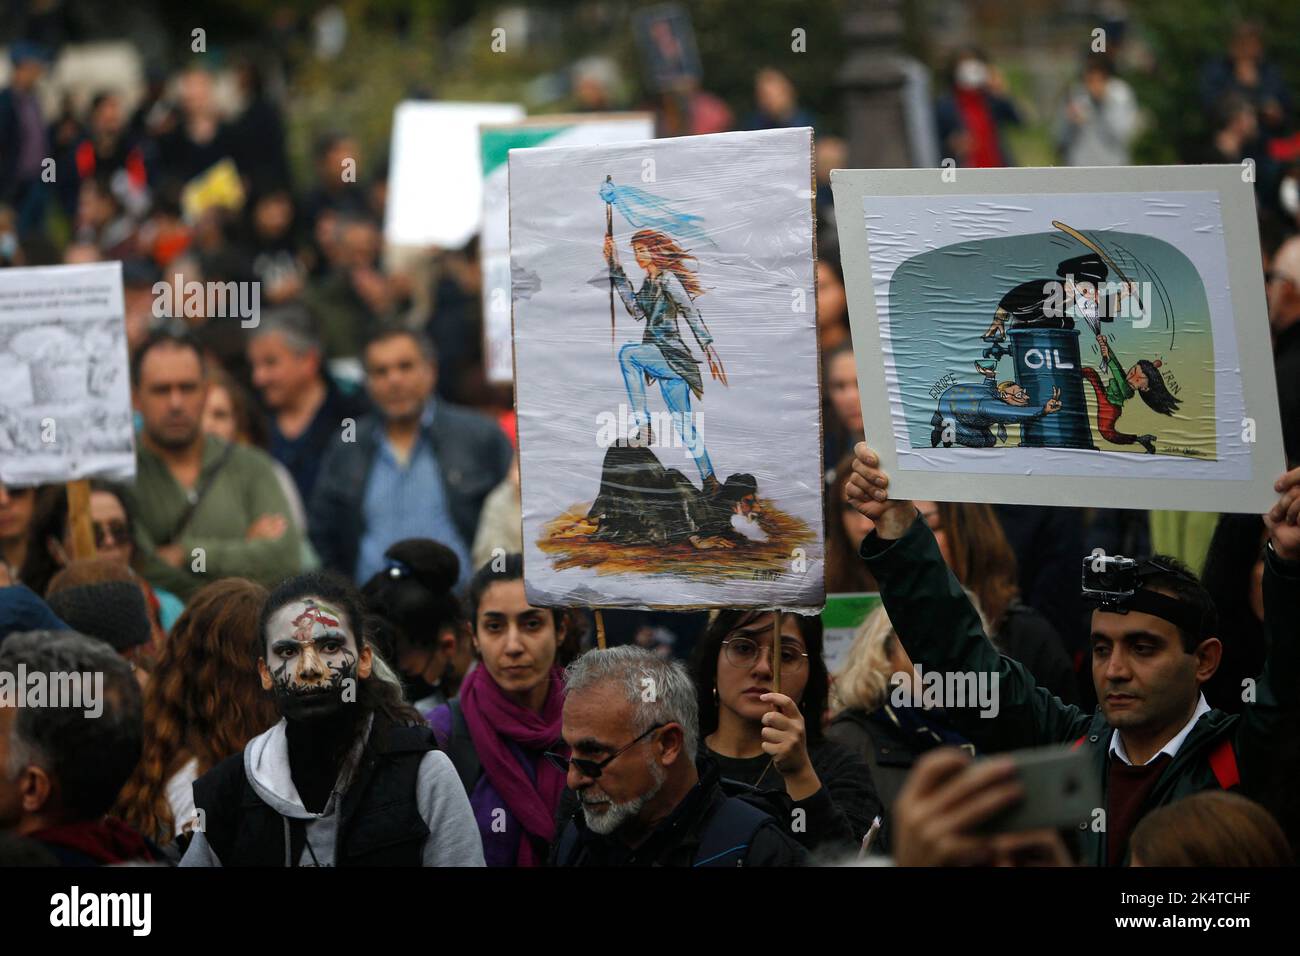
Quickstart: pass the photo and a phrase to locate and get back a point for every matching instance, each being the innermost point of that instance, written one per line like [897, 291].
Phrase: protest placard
[1097, 337]
[666, 362]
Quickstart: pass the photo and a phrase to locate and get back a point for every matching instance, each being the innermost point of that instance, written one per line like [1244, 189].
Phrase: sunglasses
[593, 768]
[114, 531]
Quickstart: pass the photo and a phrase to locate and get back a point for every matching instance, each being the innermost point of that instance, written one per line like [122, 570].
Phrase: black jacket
[836, 817]
[1047, 543]
[473, 457]
[1029, 637]
[1286, 360]
[379, 825]
[708, 828]
[890, 741]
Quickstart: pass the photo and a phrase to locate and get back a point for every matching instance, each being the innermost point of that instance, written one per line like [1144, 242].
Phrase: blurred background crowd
[136, 102]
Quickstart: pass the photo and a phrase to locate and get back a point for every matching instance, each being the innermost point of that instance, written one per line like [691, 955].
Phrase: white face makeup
[310, 653]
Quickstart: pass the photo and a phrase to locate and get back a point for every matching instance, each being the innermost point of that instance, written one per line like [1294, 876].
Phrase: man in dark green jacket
[204, 509]
[1153, 738]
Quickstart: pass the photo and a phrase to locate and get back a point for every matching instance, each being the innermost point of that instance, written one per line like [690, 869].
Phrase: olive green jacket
[244, 489]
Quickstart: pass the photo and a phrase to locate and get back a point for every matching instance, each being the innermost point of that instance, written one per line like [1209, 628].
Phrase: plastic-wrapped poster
[1044, 336]
[495, 142]
[666, 372]
[65, 404]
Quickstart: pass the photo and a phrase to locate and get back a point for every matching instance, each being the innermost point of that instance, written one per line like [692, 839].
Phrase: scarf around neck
[494, 720]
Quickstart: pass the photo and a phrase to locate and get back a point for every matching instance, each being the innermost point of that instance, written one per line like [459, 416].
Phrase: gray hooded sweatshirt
[453, 833]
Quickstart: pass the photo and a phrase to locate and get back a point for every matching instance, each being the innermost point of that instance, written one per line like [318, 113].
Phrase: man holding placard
[1155, 643]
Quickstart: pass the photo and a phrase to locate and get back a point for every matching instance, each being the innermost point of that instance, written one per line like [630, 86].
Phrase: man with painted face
[1155, 642]
[350, 776]
[631, 723]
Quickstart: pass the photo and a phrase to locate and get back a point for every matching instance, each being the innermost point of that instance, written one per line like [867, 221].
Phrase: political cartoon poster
[666, 372]
[495, 143]
[1041, 336]
[435, 182]
[65, 404]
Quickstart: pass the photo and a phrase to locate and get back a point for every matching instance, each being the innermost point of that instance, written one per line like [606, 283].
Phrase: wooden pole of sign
[83, 532]
[609, 234]
[600, 628]
[776, 650]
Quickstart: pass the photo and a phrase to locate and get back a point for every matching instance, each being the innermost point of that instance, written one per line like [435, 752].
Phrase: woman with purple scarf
[507, 716]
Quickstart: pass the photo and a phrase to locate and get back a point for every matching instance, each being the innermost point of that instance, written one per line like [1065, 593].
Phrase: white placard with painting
[1092, 337]
[667, 379]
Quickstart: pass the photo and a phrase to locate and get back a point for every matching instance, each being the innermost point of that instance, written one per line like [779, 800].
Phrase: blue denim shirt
[406, 501]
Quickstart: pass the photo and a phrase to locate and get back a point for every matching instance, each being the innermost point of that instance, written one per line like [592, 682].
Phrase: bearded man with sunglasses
[631, 724]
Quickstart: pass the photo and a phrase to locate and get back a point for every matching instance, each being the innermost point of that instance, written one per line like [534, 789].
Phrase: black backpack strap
[460, 748]
[729, 832]
[200, 492]
[402, 739]
[566, 846]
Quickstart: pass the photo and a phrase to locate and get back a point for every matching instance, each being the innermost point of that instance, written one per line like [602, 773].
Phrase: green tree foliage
[1184, 35]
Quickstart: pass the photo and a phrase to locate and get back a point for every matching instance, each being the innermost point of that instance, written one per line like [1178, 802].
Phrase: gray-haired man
[70, 736]
[632, 724]
[307, 409]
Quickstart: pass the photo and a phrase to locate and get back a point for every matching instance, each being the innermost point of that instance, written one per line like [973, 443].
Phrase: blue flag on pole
[645, 210]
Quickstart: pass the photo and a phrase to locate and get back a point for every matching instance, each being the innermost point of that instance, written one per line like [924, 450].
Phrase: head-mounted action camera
[1118, 585]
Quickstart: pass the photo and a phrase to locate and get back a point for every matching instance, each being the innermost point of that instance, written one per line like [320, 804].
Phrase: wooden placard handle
[776, 650]
[600, 628]
[83, 532]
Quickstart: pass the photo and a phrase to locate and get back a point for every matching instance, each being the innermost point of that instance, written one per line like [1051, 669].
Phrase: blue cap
[21, 609]
[21, 51]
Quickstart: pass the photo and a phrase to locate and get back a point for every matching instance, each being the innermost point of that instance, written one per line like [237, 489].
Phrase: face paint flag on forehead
[315, 614]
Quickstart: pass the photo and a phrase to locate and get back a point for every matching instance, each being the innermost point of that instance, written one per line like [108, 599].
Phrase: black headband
[1178, 613]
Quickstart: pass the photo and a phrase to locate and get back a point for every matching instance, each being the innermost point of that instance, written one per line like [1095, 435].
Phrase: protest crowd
[308, 608]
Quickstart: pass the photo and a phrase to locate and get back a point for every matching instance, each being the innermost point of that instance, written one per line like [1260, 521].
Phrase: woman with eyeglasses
[773, 741]
[507, 716]
[50, 544]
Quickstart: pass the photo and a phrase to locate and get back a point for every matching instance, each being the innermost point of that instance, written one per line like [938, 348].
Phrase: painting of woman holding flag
[666, 295]
[698, 298]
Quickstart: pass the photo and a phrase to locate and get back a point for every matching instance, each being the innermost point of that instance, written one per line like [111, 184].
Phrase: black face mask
[326, 701]
[417, 688]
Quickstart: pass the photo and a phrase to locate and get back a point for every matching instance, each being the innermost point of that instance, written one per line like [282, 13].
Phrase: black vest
[379, 822]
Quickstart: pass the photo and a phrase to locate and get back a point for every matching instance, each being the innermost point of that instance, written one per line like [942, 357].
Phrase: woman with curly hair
[203, 704]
